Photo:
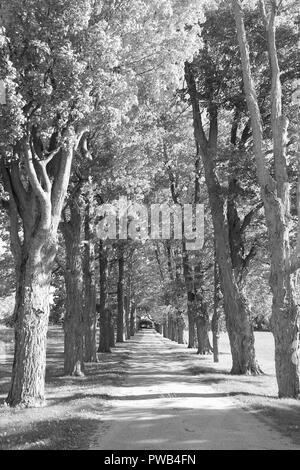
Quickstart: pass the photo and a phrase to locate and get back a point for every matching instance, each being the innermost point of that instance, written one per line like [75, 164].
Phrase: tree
[216, 73]
[275, 193]
[237, 313]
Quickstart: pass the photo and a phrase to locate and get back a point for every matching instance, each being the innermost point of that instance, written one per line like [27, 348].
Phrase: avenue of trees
[153, 102]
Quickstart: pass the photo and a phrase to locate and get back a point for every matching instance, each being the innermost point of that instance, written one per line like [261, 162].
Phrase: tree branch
[251, 97]
[16, 245]
[213, 128]
[249, 257]
[60, 184]
[45, 176]
[42, 196]
[51, 155]
[199, 130]
[32, 176]
[20, 194]
[248, 217]
[80, 133]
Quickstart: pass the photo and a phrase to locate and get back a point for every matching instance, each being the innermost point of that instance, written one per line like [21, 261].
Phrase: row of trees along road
[157, 102]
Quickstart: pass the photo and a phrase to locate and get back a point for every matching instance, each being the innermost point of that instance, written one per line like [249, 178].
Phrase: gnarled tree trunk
[38, 207]
[31, 324]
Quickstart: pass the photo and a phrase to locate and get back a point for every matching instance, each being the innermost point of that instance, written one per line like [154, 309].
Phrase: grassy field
[75, 406]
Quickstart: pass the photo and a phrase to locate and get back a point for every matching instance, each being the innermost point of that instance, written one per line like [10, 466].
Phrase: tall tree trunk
[104, 320]
[175, 327]
[89, 309]
[237, 314]
[36, 208]
[276, 198]
[191, 310]
[170, 327]
[120, 317]
[165, 328]
[191, 324]
[132, 319]
[127, 315]
[196, 309]
[215, 322]
[106, 332]
[180, 327]
[215, 334]
[128, 302]
[73, 322]
[202, 316]
[202, 323]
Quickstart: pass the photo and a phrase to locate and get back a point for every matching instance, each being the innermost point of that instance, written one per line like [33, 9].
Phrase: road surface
[161, 406]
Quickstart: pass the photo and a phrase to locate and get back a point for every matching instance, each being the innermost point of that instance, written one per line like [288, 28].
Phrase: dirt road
[163, 406]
